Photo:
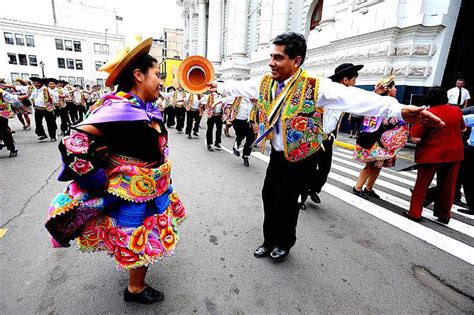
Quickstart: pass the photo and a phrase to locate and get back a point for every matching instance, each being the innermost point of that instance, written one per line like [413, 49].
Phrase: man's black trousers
[284, 182]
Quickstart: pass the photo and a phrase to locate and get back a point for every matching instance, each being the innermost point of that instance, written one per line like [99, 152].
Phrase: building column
[214, 43]
[239, 10]
[265, 33]
[280, 17]
[202, 40]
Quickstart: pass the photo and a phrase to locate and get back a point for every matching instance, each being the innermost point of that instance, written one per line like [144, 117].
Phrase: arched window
[317, 14]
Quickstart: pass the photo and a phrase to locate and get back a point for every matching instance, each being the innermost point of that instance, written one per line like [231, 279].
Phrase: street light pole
[105, 42]
[42, 64]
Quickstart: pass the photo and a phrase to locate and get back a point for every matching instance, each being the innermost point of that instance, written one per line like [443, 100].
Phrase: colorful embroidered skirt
[383, 153]
[136, 233]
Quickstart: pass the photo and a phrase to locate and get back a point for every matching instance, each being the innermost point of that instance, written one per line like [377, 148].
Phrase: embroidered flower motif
[142, 185]
[149, 223]
[168, 238]
[299, 152]
[163, 220]
[178, 209]
[138, 239]
[153, 247]
[299, 123]
[293, 136]
[114, 237]
[125, 257]
[76, 143]
[81, 166]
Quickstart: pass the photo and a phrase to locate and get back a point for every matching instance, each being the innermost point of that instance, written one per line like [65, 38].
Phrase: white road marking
[443, 242]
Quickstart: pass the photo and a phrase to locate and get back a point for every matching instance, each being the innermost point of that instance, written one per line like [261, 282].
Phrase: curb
[345, 145]
[350, 146]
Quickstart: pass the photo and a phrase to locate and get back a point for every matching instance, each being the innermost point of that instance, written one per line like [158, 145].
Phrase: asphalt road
[345, 260]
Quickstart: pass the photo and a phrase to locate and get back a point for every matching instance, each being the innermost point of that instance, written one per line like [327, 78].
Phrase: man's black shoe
[315, 197]
[262, 251]
[371, 193]
[302, 206]
[458, 202]
[359, 193]
[467, 211]
[147, 296]
[443, 220]
[246, 161]
[279, 253]
[195, 134]
[13, 153]
[235, 148]
[42, 138]
[189, 137]
[53, 139]
[209, 147]
[217, 146]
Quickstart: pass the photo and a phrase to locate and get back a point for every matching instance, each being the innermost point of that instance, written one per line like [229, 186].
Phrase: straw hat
[194, 73]
[22, 82]
[387, 80]
[123, 58]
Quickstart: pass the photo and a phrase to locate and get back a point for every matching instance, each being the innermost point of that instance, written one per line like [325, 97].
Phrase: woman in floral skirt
[378, 144]
[120, 198]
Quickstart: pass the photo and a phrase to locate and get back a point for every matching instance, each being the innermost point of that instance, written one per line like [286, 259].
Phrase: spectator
[458, 95]
[440, 151]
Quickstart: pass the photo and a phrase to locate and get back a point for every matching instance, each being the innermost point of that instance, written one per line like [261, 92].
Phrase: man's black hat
[36, 79]
[47, 80]
[344, 69]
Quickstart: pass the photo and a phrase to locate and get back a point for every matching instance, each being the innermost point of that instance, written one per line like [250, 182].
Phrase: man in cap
[6, 113]
[345, 74]
[44, 109]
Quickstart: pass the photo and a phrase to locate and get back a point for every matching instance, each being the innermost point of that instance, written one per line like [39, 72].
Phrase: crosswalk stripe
[384, 174]
[411, 174]
[427, 213]
[386, 184]
[435, 238]
[443, 242]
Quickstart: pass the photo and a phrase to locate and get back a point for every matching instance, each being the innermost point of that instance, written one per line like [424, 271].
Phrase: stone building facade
[410, 39]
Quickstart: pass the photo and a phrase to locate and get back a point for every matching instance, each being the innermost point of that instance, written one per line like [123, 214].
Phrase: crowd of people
[47, 99]
[120, 197]
[222, 111]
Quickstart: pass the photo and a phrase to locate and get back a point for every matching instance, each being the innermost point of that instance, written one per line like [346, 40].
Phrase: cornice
[40, 29]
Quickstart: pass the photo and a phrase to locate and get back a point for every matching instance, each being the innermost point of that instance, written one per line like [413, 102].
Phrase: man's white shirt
[331, 95]
[453, 95]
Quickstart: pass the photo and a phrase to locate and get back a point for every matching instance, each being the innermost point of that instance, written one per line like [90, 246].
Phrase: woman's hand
[379, 88]
[419, 115]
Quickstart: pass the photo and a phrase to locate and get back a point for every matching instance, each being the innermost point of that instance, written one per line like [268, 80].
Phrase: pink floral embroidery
[76, 143]
[81, 166]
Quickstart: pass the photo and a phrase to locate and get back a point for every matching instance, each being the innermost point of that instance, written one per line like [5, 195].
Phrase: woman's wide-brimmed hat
[124, 58]
[345, 68]
[194, 73]
[386, 81]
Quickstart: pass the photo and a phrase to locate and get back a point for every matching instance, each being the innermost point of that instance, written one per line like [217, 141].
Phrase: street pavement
[352, 255]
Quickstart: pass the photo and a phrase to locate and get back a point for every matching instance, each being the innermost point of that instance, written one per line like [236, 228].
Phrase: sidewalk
[343, 141]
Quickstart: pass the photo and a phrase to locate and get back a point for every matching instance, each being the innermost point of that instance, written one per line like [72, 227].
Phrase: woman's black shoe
[371, 193]
[147, 296]
[359, 193]
[13, 154]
